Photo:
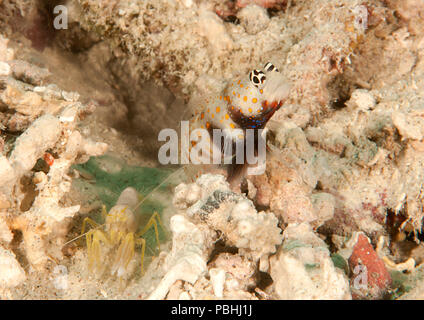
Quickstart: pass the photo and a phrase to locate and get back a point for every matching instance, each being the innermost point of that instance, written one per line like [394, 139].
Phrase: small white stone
[407, 126]
[264, 264]
[7, 173]
[11, 273]
[5, 234]
[293, 280]
[362, 100]
[217, 278]
[60, 281]
[70, 96]
[4, 69]
[39, 89]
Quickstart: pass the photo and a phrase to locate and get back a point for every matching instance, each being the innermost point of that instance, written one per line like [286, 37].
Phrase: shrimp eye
[270, 67]
[257, 77]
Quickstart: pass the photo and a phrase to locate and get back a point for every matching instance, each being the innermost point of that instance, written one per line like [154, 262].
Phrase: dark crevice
[221, 247]
[73, 39]
[15, 246]
[340, 92]
[29, 189]
[264, 280]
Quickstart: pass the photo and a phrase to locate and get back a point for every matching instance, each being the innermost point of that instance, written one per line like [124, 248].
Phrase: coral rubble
[342, 195]
[35, 164]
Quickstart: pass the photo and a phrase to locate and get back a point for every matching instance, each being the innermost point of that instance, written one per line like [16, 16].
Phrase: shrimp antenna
[82, 235]
[159, 185]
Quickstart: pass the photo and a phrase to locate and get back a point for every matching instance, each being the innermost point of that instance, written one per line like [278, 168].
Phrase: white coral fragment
[6, 236]
[7, 174]
[31, 145]
[187, 259]
[361, 99]
[408, 126]
[218, 279]
[303, 268]
[213, 210]
[255, 233]
[5, 69]
[48, 118]
[11, 273]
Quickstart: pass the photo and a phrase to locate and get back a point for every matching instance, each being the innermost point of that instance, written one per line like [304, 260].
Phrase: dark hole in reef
[274, 11]
[318, 186]
[15, 247]
[420, 235]
[244, 187]
[261, 208]
[322, 230]
[402, 242]
[28, 188]
[338, 104]
[41, 165]
[393, 224]
[343, 154]
[221, 247]
[232, 19]
[264, 280]
[340, 91]
[333, 64]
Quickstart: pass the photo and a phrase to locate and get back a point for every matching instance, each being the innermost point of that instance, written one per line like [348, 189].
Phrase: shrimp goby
[246, 102]
[117, 238]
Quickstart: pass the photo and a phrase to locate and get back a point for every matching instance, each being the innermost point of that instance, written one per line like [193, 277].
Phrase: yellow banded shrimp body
[247, 102]
[118, 237]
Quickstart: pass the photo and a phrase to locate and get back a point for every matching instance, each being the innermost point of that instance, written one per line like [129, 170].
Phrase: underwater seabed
[337, 214]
